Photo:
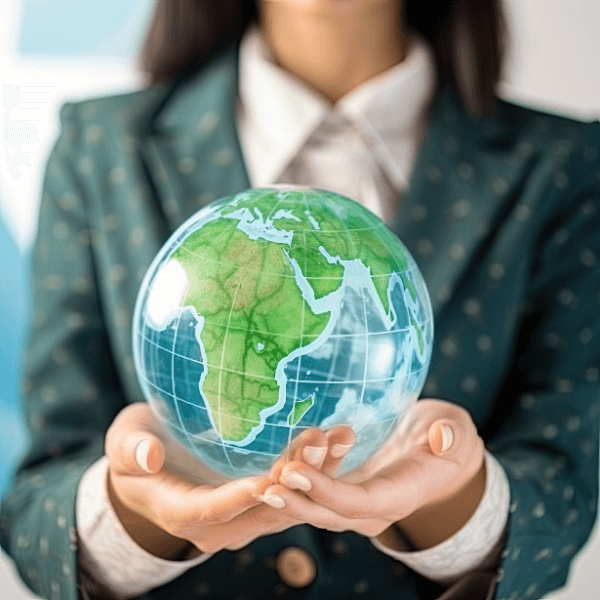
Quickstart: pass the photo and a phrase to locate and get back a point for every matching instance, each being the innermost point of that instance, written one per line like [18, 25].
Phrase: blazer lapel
[468, 171]
[467, 174]
[191, 145]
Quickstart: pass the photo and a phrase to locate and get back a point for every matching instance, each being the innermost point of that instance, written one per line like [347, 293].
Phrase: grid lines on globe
[286, 317]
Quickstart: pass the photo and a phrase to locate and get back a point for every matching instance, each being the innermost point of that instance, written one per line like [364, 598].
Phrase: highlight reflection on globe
[275, 310]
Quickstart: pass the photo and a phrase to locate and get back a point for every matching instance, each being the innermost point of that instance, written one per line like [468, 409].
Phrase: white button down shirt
[364, 148]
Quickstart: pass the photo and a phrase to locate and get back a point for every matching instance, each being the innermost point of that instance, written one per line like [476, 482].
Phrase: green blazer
[502, 215]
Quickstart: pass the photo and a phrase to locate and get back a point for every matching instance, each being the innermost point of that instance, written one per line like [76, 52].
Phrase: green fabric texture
[502, 215]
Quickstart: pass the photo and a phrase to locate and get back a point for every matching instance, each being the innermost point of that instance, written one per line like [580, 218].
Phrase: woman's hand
[423, 467]
[162, 511]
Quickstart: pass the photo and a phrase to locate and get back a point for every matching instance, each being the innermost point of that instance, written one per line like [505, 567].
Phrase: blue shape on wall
[111, 28]
[14, 309]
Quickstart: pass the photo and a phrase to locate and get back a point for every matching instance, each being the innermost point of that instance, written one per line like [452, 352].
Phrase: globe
[275, 310]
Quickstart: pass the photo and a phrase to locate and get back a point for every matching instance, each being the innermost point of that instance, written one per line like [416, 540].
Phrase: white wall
[554, 64]
[555, 59]
[43, 83]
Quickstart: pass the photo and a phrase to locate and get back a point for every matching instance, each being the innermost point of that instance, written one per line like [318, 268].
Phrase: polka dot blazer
[502, 215]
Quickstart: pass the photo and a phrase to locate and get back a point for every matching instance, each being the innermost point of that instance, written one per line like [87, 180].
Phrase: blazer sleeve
[544, 430]
[71, 391]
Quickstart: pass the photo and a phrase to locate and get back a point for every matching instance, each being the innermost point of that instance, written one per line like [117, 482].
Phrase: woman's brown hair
[468, 39]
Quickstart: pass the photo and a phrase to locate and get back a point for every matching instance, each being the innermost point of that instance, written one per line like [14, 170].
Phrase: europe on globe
[274, 310]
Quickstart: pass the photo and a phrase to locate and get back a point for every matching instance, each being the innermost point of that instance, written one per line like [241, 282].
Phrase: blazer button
[296, 567]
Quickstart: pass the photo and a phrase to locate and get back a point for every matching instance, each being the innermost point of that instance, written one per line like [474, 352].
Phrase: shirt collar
[282, 112]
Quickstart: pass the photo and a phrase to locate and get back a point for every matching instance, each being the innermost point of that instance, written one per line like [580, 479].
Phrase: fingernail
[314, 455]
[274, 501]
[338, 450]
[295, 480]
[447, 437]
[141, 455]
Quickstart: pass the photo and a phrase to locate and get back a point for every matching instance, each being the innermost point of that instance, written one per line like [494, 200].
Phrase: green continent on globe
[299, 410]
[247, 293]
[345, 229]
[254, 312]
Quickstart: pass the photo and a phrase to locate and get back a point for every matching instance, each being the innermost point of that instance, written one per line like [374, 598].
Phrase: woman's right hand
[162, 511]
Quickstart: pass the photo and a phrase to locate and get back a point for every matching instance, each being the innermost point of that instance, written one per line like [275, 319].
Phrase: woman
[393, 106]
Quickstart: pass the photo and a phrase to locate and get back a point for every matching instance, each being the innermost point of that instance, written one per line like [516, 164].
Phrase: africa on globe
[274, 310]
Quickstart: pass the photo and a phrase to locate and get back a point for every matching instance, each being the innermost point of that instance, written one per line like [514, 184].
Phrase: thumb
[126, 454]
[149, 454]
[441, 437]
[137, 454]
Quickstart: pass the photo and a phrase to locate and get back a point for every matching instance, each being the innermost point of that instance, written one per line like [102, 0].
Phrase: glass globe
[275, 310]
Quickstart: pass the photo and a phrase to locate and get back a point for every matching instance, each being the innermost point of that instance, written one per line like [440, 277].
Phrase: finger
[238, 532]
[314, 439]
[454, 439]
[426, 412]
[458, 443]
[131, 443]
[304, 509]
[149, 453]
[224, 503]
[423, 414]
[134, 417]
[312, 449]
[182, 508]
[441, 427]
[441, 437]
[384, 496]
[340, 441]
[175, 498]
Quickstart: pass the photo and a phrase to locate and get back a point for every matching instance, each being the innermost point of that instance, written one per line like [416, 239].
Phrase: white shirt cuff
[472, 547]
[107, 554]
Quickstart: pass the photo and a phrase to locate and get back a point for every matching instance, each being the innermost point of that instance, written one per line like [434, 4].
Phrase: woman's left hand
[421, 466]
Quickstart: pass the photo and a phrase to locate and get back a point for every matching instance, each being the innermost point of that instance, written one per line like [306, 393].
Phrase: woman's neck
[334, 45]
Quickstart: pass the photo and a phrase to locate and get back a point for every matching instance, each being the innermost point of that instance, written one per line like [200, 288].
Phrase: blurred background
[52, 51]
